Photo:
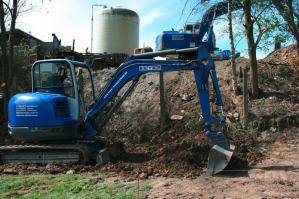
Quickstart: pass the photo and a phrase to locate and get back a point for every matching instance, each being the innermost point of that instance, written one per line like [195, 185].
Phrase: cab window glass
[196, 28]
[53, 77]
[189, 28]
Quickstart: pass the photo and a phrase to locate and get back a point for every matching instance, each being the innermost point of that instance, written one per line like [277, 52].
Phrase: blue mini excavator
[60, 119]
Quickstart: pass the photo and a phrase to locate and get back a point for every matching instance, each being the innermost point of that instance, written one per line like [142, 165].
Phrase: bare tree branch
[8, 8]
[259, 37]
[193, 9]
[285, 9]
[184, 8]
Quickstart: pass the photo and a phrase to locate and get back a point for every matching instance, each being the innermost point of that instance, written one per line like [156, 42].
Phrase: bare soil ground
[275, 177]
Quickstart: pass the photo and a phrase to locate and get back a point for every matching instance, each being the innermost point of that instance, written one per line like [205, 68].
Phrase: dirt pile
[274, 113]
[137, 122]
[279, 105]
[179, 147]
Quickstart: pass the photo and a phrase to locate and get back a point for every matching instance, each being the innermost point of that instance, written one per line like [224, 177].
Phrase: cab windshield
[53, 77]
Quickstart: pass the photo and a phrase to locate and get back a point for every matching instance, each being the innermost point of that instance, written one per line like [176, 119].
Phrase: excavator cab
[62, 91]
[69, 78]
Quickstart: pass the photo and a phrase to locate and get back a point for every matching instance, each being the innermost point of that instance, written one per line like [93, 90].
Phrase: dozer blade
[218, 159]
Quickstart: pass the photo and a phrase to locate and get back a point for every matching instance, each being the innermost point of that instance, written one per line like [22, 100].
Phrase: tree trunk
[251, 49]
[277, 43]
[4, 62]
[232, 46]
[3, 44]
[287, 13]
[289, 17]
[11, 65]
[7, 59]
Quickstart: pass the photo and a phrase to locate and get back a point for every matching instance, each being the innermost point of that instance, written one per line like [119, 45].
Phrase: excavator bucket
[218, 159]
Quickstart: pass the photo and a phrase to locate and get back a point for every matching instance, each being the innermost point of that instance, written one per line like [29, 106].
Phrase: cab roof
[76, 63]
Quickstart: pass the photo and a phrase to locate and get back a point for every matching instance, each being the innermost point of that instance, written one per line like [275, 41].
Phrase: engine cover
[41, 116]
[175, 40]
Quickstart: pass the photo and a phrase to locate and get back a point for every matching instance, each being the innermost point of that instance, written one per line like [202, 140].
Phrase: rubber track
[77, 147]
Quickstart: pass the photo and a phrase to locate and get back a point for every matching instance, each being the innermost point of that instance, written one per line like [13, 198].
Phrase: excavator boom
[203, 68]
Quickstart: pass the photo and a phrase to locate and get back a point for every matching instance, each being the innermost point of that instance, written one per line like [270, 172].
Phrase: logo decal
[149, 68]
[177, 37]
[26, 110]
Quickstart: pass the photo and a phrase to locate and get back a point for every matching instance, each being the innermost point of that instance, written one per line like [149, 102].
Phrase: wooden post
[4, 107]
[73, 48]
[163, 110]
[1, 109]
[277, 43]
[232, 48]
[245, 94]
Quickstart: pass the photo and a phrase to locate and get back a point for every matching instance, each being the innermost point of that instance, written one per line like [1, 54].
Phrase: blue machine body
[176, 40]
[186, 39]
[39, 109]
[41, 117]
[51, 110]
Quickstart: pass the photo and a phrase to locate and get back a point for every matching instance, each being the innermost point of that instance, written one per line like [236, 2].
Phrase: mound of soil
[137, 122]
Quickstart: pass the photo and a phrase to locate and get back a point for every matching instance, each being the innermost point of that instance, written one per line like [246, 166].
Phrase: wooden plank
[163, 104]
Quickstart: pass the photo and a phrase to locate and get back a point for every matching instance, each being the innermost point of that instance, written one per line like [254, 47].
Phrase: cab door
[85, 87]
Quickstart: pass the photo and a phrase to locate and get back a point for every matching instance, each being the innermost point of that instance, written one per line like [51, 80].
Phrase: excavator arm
[212, 13]
[204, 70]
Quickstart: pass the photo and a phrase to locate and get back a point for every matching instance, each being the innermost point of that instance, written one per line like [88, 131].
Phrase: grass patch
[66, 186]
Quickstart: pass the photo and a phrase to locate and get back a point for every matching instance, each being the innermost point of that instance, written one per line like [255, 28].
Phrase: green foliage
[146, 188]
[194, 123]
[269, 20]
[66, 186]
[24, 57]
[240, 129]
[12, 184]
[261, 102]
[244, 136]
[266, 20]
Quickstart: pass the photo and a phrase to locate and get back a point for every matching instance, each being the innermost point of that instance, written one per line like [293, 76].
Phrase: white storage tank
[115, 30]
